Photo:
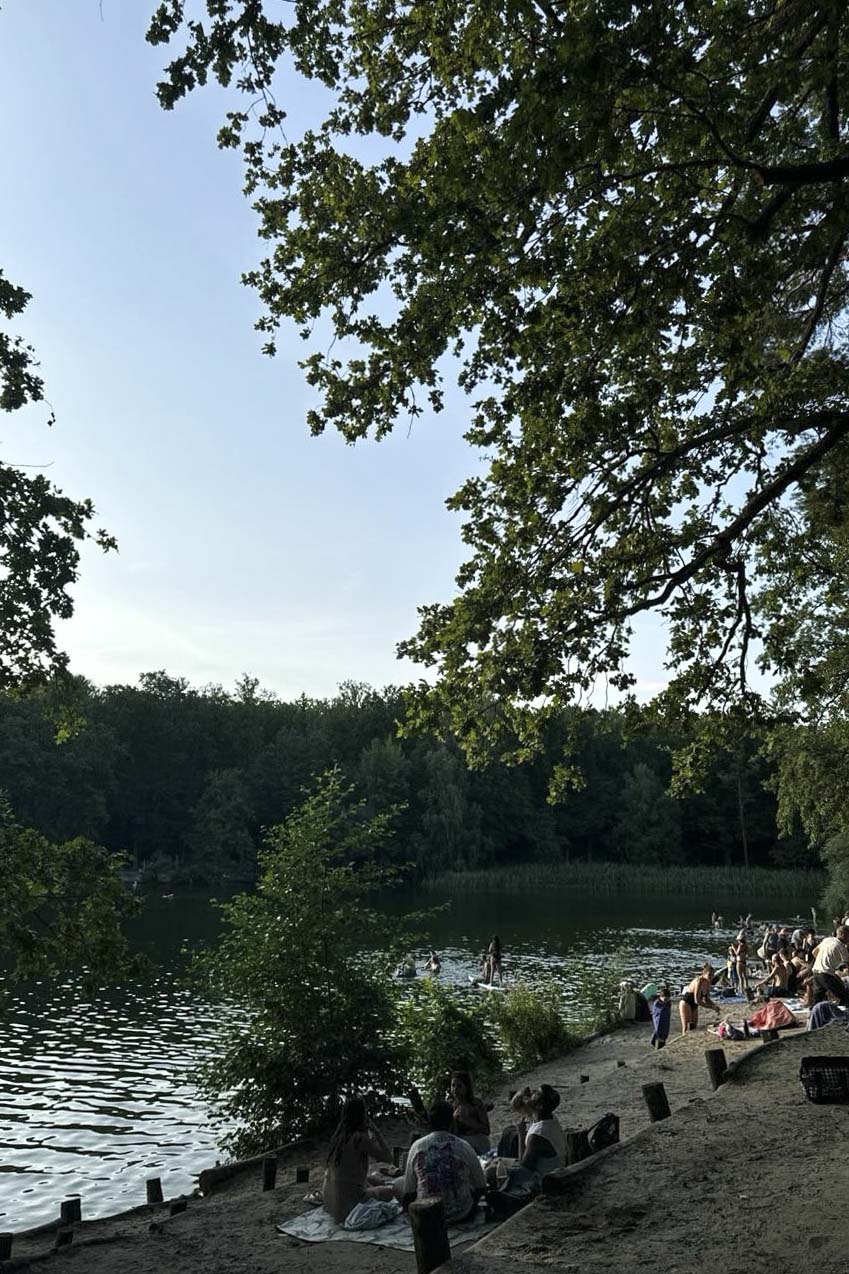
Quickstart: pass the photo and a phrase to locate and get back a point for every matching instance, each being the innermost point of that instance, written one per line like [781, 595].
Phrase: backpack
[604, 1133]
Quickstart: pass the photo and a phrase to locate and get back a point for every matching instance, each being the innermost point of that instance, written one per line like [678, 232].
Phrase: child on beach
[661, 1016]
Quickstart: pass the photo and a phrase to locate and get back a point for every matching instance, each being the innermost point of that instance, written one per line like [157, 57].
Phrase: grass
[636, 880]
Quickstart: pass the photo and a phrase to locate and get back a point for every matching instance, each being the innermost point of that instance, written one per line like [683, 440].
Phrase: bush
[530, 1024]
[318, 1012]
[440, 1030]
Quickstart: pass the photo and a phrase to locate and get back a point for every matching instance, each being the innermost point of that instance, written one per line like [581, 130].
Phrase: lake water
[95, 1090]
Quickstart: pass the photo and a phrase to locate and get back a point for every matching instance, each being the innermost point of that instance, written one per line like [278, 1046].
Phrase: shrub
[440, 1030]
[530, 1024]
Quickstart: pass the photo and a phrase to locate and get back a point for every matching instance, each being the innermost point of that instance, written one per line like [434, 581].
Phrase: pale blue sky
[245, 544]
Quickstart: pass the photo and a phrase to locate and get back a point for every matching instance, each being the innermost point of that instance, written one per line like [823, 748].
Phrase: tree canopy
[624, 228]
[40, 527]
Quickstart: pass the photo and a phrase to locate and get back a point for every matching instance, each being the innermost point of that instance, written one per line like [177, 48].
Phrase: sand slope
[751, 1178]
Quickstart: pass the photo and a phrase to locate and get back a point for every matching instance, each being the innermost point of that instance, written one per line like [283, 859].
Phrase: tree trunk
[741, 814]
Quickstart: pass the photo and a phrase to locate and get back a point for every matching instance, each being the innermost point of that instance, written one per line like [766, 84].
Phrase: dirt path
[232, 1230]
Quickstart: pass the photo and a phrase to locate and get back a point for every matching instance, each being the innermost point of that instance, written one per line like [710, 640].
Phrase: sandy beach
[713, 1182]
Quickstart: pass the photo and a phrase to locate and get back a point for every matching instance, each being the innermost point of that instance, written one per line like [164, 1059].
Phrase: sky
[245, 545]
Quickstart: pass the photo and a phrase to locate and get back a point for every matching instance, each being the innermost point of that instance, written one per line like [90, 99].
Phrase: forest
[183, 781]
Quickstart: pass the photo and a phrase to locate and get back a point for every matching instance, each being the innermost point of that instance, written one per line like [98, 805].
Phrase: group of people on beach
[445, 1160]
[793, 965]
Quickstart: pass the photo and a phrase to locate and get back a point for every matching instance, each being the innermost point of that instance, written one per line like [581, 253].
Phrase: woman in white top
[544, 1146]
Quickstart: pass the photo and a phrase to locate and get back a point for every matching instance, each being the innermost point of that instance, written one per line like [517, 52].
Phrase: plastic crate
[825, 1079]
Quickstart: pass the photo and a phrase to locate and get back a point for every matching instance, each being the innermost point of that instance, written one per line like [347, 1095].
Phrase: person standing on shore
[661, 1016]
[740, 955]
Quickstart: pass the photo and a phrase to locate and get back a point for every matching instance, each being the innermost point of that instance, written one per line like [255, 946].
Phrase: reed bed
[633, 879]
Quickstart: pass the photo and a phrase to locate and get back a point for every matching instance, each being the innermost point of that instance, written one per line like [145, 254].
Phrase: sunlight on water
[94, 1099]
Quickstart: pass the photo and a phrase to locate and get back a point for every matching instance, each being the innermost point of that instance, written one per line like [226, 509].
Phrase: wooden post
[269, 1172]
[154, 1190]
[717, 1066]
[64, 1237]
[577, 1146]
[654, 1095]
[178, 1205]
[302, 1175]
[70, 1210]
[6, 1240]
[430, 1234]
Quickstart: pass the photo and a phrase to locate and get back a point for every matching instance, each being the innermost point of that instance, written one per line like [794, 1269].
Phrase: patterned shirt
[443, 1166]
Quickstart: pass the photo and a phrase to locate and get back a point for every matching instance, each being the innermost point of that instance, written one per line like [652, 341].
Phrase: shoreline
[232, 1227]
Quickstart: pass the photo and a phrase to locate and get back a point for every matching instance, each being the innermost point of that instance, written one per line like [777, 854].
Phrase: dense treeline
[167, 772]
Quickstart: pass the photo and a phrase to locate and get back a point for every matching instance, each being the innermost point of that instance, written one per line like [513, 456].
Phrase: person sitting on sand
[776, 982]
[694, 997]
[512, 1135]
[544, 1146]
[355, 1141]
[661, 1014]
[826, 984]
[471, 1121]
[443, 1166]
[824, 1011]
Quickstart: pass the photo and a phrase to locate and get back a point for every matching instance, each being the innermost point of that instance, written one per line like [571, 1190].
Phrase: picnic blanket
[318, 1226]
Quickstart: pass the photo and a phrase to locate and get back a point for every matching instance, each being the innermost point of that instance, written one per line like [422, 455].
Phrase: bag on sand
[604, 1133]
[371, 1214]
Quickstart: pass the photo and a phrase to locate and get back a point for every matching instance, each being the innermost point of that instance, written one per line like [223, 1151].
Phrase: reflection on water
[94, 1099]
[94, 1091]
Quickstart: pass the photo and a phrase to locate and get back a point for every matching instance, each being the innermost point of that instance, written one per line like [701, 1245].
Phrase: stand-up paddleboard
[484, 986]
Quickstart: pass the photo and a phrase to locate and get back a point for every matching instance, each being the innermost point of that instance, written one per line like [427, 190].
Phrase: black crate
[825, 1079]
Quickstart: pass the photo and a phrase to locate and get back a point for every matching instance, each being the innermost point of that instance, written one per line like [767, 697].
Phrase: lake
[95, 1090]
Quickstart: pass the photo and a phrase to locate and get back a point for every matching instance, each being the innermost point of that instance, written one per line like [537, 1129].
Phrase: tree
[40, 529]
[63, 905]
[296, 957]
[628, 227]
[649, 828]
[219, 842]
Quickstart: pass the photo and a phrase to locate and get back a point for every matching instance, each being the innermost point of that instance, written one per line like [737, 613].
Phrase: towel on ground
[318, 1226]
